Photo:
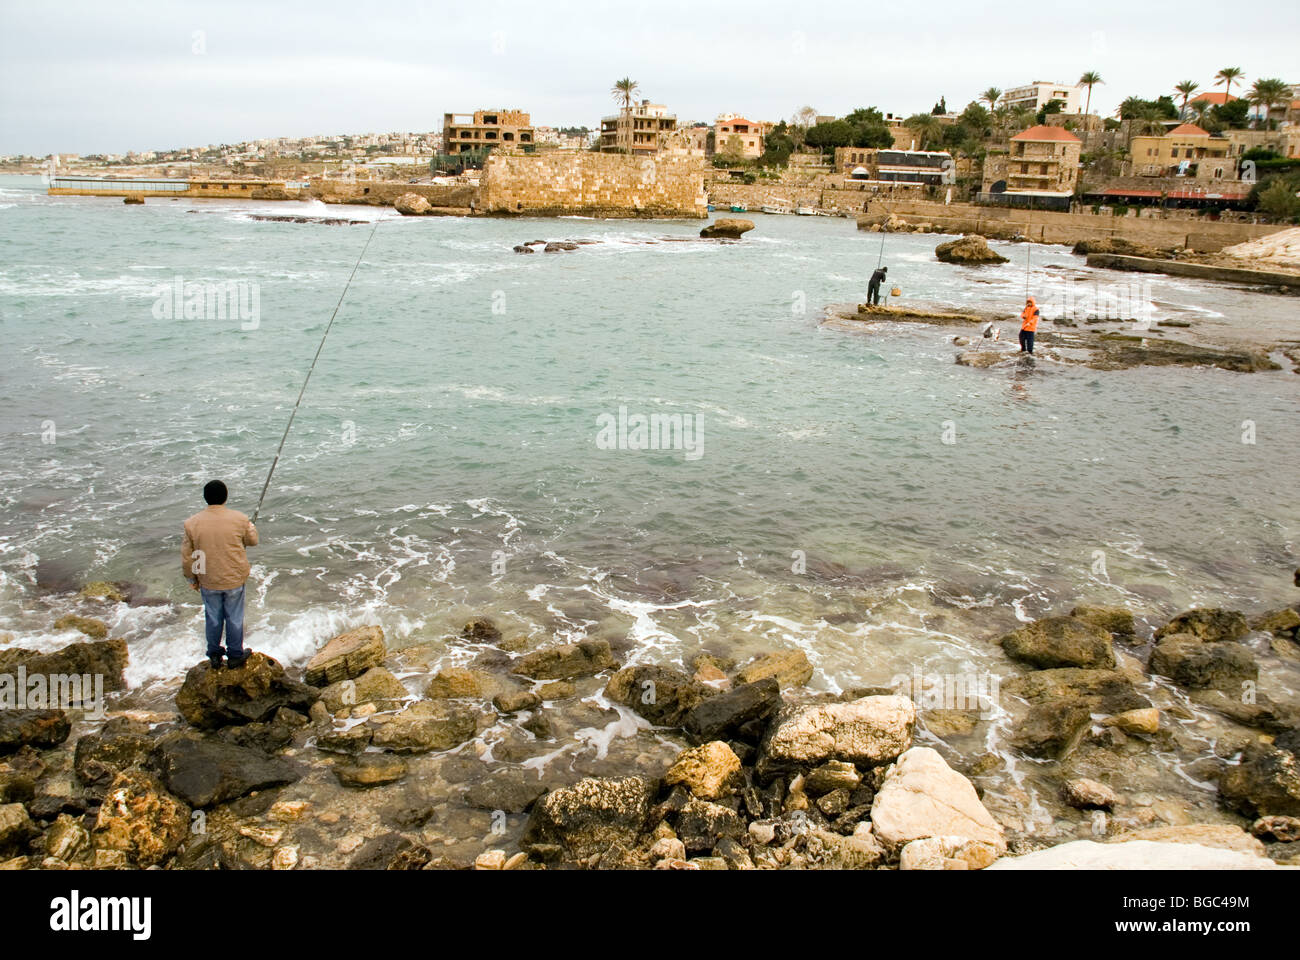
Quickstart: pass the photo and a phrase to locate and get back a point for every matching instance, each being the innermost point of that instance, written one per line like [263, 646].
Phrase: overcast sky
[91, 77]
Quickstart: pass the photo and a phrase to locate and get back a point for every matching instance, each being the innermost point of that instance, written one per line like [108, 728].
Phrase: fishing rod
[293, 413]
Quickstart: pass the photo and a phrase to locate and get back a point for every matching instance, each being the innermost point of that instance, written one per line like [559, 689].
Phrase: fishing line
[310, 369]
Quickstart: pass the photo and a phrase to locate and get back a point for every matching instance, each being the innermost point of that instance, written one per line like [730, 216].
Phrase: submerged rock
[87, 625]
[790, 668]
[1117, 621]
[347, 656]
[510, 790]
[1060, 642]
[1211, 624]
[1192, 662]
[423, 726]
[1085, 794]
[370, 770]
[253, 693]
[922, 796]
[970, 249]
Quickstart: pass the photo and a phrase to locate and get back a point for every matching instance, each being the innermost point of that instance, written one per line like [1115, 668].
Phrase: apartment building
[497, 129]
[641, 129]
[1039, 94]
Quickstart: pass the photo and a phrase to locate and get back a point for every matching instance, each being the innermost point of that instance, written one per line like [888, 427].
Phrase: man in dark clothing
[873, 286]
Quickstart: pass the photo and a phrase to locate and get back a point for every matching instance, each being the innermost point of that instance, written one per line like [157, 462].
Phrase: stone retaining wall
[593, 184]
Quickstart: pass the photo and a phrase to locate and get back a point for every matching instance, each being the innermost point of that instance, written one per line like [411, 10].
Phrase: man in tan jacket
[214, 562]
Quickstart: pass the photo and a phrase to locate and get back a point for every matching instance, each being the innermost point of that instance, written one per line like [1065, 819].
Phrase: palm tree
[1226, 76]
[1200, 108]
[624, 93]
[991, 97]
[1267, 93]
[1089, 79]
[926, 127]
[1186, 88]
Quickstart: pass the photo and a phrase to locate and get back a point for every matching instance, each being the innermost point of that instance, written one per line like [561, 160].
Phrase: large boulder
[208, 772]
[253, 693]
[870, 730]
[709, 771]
[1134, 855]
[1198, 664]
[1120, 245]
[376, 685]
[970, 249]
[731, 228]
[347, 656]
[1060, 642]
[140, 819]
[566, 661]
[1117, 621]
[424, 725]
[119, 746]
[663, 695]
[923, 797]
[106, 658]
[411, 205]
[586, 819]
[1211, 624]
[40, 729]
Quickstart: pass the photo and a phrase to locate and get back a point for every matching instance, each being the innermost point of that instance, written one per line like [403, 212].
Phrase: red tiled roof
[1044, 132]
[1218, 99]
[1187, 130]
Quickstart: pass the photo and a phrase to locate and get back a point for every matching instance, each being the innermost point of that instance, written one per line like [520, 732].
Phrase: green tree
[1234, 115]
[828, 136]
[1278, 198]
[1090, 79]
[991, 96]
[624, 93]
[1267, 93]
[869, 129]
[1186, 88]
[927, 129]
[1227, 76]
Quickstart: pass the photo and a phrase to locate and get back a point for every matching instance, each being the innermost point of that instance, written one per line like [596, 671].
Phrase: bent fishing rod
[293, 413]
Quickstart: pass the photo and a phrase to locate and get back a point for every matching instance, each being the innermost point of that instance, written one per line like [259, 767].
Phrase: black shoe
[234, 663]
[215, 661]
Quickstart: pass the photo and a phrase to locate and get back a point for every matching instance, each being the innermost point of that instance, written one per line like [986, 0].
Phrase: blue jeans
[224, 608]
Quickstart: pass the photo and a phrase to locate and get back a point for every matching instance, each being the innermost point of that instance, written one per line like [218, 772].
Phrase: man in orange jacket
[1028, 325]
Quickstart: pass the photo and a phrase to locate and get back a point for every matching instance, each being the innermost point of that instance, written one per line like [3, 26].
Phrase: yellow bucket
[896, 292]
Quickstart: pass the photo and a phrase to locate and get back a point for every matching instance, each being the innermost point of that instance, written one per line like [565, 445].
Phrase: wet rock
[102, 590]
[539, 725]
[663, 695]
[589, 817]
[106, 658]
[511, 791]
[1146, 721]
[724, 715]
[870, 730]
[1102, 691]
[139, 820]
[557, 690]
[1051, 730]
[947, 853]
[347, 656]
[922, 796]
[1282, 829]
[832, 775]
[391, 851]
[834, 803]
[950, 723]
[1085, 794]
[1262, 713]
[1265, 783]
[1192, 662]
[981, 358]
[253, 693]
[821, 849]
[1060, 642]
[376, 685]
[732, 228]
[701, 824]
[1211, 624]
[709, 771]
[970, 249]
[208, 772]
[1284, 623]
[566, 661]
[262, 737]
[16, 787]
[513, 701]
[16, 828]
[66, 838]
[87, 625]
[353, 740]
[425, 725]
[1133, 855]
[521, 248]
[1222, 836]
[790, 667]
[41, 729]
[1117, 621]
[99, 758]
[455, 683]
[370, 770]
[559, 246]
[412, 205]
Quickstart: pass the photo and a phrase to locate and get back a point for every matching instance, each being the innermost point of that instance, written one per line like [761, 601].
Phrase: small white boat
[773, 208]
[805, 211]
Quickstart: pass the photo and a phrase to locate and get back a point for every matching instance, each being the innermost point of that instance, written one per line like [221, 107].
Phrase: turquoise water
[445, 464]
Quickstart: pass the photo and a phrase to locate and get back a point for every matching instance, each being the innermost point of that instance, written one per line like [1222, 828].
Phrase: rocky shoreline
[370, 758]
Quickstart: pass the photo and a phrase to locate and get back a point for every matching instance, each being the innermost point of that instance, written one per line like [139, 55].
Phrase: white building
[1039, 94]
